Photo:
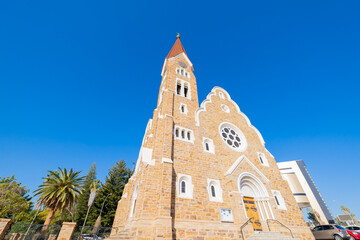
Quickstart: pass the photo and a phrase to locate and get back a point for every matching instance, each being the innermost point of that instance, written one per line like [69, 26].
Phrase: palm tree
[58, 193]
[347, 211]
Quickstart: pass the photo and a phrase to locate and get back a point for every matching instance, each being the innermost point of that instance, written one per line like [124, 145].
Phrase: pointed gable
[176, 49]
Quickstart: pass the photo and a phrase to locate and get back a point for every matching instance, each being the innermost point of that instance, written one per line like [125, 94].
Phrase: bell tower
[150, 193]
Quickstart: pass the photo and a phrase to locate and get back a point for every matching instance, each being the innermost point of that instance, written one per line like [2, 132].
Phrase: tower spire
[177, 48]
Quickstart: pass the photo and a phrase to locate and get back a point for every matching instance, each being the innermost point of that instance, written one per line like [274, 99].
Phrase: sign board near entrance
[226, 215]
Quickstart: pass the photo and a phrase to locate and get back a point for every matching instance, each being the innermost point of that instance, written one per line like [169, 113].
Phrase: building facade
[203, 172]
[304, 190]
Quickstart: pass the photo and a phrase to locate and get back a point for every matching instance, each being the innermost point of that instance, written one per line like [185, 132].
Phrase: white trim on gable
[237, 163]
[208, 100]
[186, 58]
[148, 127]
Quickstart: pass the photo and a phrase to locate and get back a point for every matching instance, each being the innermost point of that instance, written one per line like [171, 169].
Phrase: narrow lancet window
[185, 91]
[213, 191]
[277, 201]
[183, 187]
[189, 135]
[178, 89]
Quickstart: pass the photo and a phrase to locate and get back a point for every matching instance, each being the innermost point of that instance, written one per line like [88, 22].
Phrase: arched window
[189, 136]
[263, 160]
[183, 108]
[183, 187]
[208, 145]
[177, 132]
[221, 95]
[185, 90]
[178, 88]
[225, 108]
[182, 88]
[279, 200]
[213, 191]
[183, 134]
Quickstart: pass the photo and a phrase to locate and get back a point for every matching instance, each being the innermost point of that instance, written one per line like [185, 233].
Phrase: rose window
[231, 137]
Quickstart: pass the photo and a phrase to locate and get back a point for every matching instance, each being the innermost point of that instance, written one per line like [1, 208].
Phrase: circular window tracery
[233, 137]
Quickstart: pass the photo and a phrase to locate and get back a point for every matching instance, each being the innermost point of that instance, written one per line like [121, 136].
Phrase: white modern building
[305, 192]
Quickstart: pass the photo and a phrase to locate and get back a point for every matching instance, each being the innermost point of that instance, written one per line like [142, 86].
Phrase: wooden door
[251, 212]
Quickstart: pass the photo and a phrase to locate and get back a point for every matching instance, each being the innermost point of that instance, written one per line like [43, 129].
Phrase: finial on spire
[177, 48]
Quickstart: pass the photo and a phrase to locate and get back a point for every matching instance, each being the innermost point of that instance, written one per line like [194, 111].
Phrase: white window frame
[185, 72]
[189, 187]
[186, 132]
[210, 143]
[282, 204]
[221, 95]
[265, 161]
[182, 91]
[225, 108]
[218, 190]
[185, 108]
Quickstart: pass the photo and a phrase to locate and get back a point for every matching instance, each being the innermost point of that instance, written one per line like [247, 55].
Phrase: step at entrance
[270, 236]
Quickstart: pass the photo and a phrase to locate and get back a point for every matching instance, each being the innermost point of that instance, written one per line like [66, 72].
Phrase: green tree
[312, 217]
[14, 201]
[58, 192]
[82, 203]
[347, 212]
[113, 188]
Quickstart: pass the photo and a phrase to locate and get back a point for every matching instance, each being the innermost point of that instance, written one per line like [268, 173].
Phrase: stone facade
[187, 144]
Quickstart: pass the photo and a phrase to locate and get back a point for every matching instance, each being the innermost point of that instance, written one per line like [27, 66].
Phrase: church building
[204, 172]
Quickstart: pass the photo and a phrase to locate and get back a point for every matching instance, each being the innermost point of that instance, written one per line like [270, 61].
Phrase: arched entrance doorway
[255, 199]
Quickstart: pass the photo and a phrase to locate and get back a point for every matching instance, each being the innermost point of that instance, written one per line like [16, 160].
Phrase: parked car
[354, 232]
[353, 228]
[89, 237]
[331, 231]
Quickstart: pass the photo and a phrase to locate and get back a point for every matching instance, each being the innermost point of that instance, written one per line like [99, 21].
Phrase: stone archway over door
[255, 199]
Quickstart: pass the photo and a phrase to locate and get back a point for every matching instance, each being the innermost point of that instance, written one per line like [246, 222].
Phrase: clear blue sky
[79, 80]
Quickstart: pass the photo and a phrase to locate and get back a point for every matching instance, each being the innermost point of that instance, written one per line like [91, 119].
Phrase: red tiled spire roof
[177, 48]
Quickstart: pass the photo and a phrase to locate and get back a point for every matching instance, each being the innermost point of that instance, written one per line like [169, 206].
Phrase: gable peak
[177, 48]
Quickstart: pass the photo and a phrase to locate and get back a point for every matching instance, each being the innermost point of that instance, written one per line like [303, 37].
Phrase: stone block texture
[196, 145]
[4, 226]
[67, 230]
